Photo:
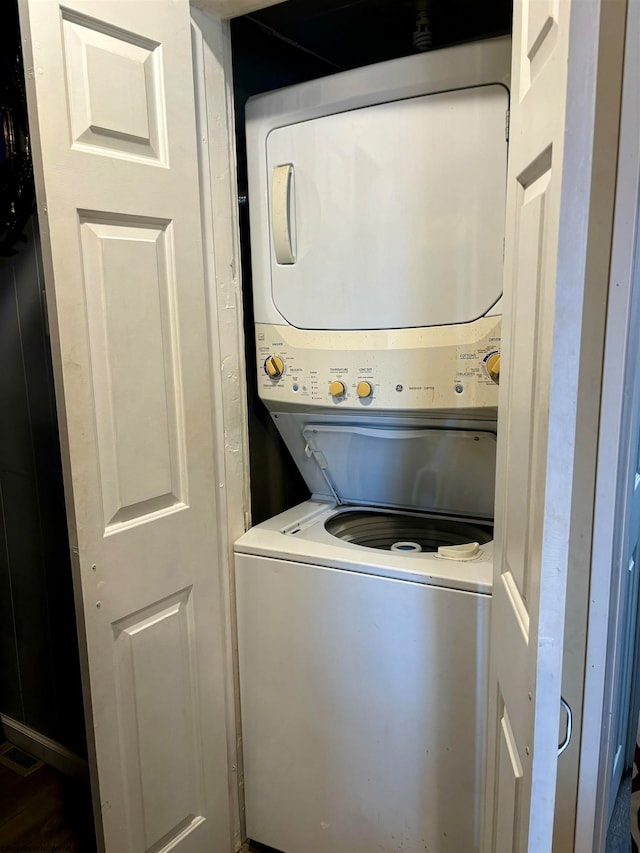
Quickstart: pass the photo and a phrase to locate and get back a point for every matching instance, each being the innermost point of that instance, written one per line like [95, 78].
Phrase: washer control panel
[443, 367]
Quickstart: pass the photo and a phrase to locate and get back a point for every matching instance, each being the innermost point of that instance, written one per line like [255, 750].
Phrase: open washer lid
[425, 469]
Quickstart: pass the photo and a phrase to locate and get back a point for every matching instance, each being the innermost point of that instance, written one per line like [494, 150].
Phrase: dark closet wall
[262, 62]
[39, 669]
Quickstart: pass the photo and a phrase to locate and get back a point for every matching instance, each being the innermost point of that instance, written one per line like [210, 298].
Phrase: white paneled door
[548, 360]
[111, 110]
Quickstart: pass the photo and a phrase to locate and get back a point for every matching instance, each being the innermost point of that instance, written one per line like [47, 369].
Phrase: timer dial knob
[336, 388]
[274, 366]
[493, 367]
[364, 390]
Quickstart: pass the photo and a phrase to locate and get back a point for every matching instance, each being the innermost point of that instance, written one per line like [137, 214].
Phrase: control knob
[336, 388]
[364, 390]
[493, 367]
[274, 366]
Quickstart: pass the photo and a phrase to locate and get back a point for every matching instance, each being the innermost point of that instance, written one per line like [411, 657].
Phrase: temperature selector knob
[364, 390]
[274, 366]
[493, 367]
[336, 388]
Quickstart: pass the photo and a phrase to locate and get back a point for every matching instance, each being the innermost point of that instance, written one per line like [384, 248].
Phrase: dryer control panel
[403, 370]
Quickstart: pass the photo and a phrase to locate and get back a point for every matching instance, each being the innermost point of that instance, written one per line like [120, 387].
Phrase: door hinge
[506, 125]
[312, 453]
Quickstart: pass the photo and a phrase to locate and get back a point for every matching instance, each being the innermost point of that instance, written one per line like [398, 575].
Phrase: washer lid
[428, 469]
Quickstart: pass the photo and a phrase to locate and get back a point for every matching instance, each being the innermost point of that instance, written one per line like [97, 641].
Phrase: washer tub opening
[383, 530]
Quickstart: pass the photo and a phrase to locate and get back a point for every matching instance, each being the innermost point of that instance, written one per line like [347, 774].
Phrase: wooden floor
[44, 812]
[47, 812]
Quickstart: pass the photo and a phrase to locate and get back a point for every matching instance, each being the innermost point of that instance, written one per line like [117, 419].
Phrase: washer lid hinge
[312, 452]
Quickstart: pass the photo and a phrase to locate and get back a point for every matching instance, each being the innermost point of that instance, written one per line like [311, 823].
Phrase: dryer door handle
[283, 214]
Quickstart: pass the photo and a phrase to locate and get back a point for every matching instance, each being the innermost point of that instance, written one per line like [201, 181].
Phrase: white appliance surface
[399, 212]
[413, 370]
[376, 201]
[299, 535]
[362, 695]
[440, 470]
[377, 196]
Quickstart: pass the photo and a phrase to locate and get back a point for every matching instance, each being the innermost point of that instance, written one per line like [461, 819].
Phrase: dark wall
[354, 33]
[262, 63]
[39, 669]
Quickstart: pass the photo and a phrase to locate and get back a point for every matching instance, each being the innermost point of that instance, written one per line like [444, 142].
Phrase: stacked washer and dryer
[377, 203]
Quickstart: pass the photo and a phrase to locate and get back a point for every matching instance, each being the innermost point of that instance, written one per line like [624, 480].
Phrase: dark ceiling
[305, 39]
[351, 33]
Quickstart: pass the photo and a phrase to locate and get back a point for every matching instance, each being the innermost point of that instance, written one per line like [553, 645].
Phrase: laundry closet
[284, 557]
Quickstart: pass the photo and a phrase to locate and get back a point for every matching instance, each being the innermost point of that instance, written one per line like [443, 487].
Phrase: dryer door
[390, 216]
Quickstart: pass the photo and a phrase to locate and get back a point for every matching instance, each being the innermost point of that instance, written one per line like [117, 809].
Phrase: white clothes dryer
[377, 204]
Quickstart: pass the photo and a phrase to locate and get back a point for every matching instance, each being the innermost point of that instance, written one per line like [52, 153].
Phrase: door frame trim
[213, 86]
[623, 306]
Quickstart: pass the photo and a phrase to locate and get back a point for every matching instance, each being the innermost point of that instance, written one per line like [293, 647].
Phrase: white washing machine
[362, 637]
[377, 218]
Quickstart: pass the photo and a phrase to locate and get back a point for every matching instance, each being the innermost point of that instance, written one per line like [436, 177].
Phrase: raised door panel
[509, 783]
[536, 40]
[100, 60]
[529, 368]
[131, 297]
[158, 694]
